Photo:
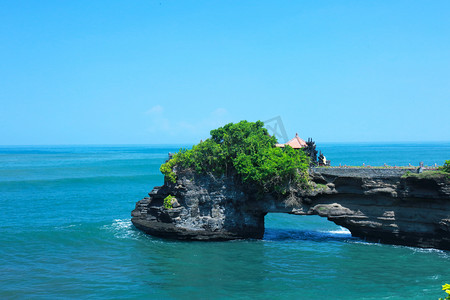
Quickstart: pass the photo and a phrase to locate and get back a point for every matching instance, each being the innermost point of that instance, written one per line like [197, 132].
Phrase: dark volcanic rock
[375, 204]
[379, 205]
[210, 208]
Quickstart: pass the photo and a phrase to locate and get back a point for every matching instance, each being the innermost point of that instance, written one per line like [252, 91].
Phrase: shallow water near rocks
[66, 233]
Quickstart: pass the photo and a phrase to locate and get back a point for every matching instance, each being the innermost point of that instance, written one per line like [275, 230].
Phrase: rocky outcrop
[206, 208]
[374, 204]
[379, 205]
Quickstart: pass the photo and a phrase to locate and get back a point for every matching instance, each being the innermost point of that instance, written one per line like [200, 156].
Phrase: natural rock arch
[375, 204]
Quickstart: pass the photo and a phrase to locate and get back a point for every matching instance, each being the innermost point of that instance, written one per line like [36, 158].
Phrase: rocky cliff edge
[374, 204]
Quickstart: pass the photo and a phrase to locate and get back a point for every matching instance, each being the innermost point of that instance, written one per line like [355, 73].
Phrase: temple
[309, 148]
[296, 143]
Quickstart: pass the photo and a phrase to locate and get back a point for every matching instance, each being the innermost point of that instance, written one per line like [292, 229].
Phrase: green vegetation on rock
[320, 186]
[167, 169]
[446, 288]
[245, 149]
[427, 175]
[168, 202]
[445, 167]
[442, 172]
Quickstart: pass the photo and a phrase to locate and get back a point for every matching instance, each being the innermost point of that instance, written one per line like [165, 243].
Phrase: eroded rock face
[384, 207]
[374, 204]
[209, 208]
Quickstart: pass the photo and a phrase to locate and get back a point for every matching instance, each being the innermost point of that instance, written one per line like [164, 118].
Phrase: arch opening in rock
[282, 226]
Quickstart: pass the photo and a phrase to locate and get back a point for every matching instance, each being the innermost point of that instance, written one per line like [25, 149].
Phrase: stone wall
[361, 172]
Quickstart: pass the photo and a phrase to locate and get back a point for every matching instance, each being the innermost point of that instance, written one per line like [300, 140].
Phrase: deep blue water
[65, 232]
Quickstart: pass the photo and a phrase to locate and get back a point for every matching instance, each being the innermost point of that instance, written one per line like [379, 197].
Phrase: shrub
[167, 170]
[247, 149]
[445, 167]
[446, 288]
[432, 174]
[168, 202]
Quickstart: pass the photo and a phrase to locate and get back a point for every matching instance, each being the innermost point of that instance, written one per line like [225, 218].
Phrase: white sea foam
[121, 224]
[439, 252]
[362, 242]
[122, 229]
[341, 232]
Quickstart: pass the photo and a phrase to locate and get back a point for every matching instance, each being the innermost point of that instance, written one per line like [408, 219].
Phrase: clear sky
[150, 72]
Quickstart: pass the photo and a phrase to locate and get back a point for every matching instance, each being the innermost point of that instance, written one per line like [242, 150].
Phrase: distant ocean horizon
[351, 153]
[66, 233]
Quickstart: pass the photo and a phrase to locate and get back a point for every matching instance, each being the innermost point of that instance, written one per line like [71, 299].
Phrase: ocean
[65, 233]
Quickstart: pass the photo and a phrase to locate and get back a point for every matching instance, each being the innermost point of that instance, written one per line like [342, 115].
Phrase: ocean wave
[362, 242]
[342, 231]
[427, 250]
[272, 234]
[122, 229]
[417, 250]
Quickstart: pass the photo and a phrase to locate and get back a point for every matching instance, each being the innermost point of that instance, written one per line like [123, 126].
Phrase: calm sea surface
[65, 232]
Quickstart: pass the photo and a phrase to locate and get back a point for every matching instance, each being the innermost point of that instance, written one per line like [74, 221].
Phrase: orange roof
[295, 143]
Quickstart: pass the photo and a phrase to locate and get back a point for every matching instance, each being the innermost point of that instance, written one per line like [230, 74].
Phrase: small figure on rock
[323, 160]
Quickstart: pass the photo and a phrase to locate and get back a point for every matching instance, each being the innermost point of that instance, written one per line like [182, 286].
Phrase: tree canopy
[245, 149]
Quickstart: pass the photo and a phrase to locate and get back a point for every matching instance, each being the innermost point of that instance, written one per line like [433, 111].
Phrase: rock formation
[206, 208]
[374, 204]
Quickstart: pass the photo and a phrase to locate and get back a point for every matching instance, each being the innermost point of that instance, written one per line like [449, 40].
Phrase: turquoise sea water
[65, 233]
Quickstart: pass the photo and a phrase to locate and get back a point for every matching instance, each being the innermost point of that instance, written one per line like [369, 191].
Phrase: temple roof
[295, 143]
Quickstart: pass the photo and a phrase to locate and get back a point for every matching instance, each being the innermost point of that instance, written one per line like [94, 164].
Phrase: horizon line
[188, 143]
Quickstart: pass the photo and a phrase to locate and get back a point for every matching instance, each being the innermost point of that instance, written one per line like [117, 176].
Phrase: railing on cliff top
[387, 167]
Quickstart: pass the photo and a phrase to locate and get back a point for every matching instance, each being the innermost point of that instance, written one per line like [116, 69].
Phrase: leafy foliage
[446, 288]
[168, 202]
[167, 169]
[445, 167]
[428, 175]
[247, 149]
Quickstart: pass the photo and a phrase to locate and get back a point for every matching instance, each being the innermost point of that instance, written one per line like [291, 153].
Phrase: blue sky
[149, 72]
